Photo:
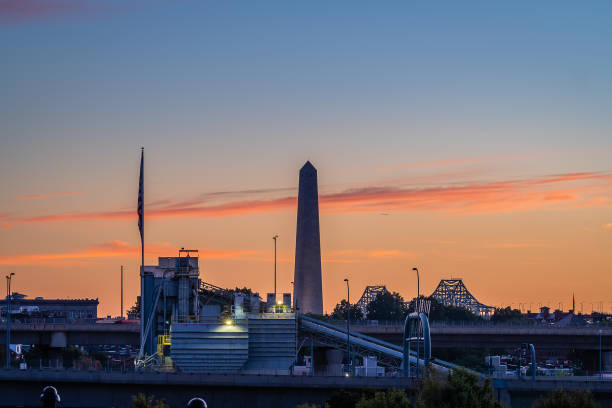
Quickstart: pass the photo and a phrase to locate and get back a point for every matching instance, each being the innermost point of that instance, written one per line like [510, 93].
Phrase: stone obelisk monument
[308, 292]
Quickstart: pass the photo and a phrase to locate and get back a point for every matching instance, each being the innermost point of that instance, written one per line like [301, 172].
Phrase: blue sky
[237, 95]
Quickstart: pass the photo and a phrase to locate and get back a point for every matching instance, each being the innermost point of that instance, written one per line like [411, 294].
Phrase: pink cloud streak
[563, 191]
[116, 249]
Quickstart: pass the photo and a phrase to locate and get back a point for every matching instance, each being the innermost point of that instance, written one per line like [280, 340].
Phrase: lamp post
[418, 283]
[275, 237]
[8, 319]
[348, 323]
[416, 309]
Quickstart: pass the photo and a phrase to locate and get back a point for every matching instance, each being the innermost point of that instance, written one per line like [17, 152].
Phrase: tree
[134, 312]
[567, 399]
[460, 390]
[348, 398]
[506, 314]
[392, 398]
[439, 311]
[339, 312]
[387, 306]
[143, 401]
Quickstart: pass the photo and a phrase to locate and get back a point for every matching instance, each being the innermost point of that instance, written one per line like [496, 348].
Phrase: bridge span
[550, 338]
[61, 335]
[87, 389]
[443, 336]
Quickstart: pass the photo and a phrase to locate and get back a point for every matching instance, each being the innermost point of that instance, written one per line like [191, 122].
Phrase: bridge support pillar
[607, 361]
[58, 339]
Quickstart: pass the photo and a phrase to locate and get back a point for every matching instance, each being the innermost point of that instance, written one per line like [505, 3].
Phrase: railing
[476, 324]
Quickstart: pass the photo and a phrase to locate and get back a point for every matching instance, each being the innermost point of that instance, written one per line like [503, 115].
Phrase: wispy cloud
[47, 195]
[116, 249]
[608, 226]
[559, 191]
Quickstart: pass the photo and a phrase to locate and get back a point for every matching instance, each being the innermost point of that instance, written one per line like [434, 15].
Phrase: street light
[8, 319]
[418, 283]
[348, 323]
[275, 237]
[416, 309]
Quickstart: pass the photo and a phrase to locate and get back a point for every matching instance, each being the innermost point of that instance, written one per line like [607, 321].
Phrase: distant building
[53, 310]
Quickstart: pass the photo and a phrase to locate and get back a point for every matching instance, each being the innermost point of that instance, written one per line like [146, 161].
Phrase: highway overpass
[60, 335]
[502, 336]
[442, 336]
[88, 389]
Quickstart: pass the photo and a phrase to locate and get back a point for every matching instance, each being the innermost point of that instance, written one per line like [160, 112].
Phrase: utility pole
[275, 237]
[121, 314]
[348, 325]
[8, 319]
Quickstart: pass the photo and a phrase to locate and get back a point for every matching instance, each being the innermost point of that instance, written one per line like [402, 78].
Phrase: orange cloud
[115, 249]
[557, 191]
[608, 225]
[47, 195]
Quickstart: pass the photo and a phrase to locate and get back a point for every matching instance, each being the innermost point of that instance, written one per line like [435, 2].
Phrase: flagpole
[141, 228]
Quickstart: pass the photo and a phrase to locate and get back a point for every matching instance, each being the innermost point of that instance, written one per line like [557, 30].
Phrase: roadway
[550, 338]
[93, 389]
[60, 335]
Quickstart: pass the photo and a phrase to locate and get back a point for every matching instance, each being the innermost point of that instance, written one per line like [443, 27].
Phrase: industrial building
[192, 326]
[53, 310]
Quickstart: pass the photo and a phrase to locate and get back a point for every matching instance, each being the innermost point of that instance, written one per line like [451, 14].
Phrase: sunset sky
[469, 139]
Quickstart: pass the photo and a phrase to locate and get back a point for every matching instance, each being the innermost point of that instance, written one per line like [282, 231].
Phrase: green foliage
[144, 401]
[460, 390]
[472, 358]
[387, 306]
[567, 399]
[440, 312]
[386, 399]
[134, 311]
[506, 314]
[349, 398]
[246, 291]
[70, 354]
[339, 312]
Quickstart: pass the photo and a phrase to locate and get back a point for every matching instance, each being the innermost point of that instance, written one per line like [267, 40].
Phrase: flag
[141, 199]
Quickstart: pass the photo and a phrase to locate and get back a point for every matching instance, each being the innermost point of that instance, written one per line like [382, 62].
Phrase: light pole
[418, 283]
[275, 237]
[416, 309]
[8, 319]
[348, 323]
[121, 314]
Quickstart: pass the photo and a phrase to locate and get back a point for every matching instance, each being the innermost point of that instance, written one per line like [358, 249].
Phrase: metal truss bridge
[452, 292]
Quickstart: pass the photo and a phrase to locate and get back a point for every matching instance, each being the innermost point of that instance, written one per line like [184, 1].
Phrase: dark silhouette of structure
[308, 293]
[452, 292]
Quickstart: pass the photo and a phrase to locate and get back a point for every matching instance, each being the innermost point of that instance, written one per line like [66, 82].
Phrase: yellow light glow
[279, 302]
[228, 322]
[346, 374]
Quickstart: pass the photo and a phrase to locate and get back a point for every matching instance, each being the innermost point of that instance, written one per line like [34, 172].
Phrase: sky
[468, 139]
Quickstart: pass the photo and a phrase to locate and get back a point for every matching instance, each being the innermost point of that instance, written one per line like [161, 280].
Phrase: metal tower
[452, 292]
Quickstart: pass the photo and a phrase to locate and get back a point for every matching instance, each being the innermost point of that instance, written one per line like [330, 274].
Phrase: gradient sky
[470, 139]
